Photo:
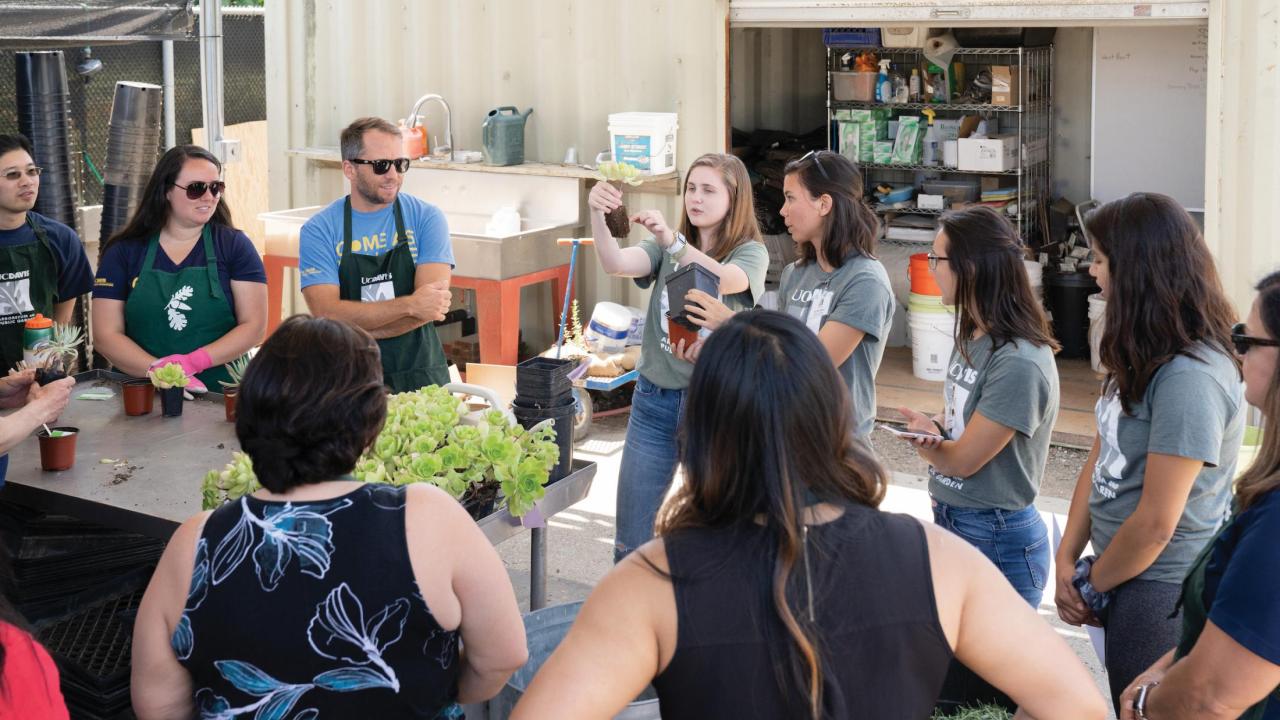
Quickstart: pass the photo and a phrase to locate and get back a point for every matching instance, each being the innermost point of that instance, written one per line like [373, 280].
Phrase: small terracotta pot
[171, 402]
[58, 453]
[229, 403]
[139, 397]
[677, 332]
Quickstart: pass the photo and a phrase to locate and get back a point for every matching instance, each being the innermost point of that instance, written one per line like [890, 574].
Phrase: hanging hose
[93, 169]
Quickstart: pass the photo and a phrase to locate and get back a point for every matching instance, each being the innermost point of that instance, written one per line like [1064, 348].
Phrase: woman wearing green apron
[179, 284]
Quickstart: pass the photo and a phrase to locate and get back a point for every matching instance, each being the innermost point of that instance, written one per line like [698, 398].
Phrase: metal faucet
[445, 152]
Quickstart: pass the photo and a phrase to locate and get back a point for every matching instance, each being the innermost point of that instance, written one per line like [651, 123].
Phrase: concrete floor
[580, 539]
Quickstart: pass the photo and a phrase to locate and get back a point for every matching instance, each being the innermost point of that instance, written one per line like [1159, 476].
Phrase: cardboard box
[1004, 85]
[993, 154]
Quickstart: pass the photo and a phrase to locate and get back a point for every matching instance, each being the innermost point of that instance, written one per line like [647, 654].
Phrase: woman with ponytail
[837, 288]
[776, 588]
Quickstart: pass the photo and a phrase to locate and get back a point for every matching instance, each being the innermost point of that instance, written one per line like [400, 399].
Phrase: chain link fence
[244, 90]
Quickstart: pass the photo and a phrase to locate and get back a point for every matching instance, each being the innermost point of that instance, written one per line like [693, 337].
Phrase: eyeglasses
[14, 175]
[1243, 342]
[816, 161]
[933, 260]
[197, 189]
[381, 167]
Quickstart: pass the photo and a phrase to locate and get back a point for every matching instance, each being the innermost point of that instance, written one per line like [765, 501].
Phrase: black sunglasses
[817, 160]
[197, 189]
[1243, 342]
[382, 167]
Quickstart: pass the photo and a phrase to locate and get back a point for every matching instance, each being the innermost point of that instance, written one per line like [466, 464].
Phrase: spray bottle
[884, 87]
[932, 139]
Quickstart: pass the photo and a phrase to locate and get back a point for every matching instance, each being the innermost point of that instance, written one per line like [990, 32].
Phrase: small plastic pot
[677, 330]
[139, 397]
[690, 277]
[229, 403]
[58, 452]
[171, 402]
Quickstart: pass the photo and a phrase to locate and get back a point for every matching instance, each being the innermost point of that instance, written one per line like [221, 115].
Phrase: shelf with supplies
[1006, 93]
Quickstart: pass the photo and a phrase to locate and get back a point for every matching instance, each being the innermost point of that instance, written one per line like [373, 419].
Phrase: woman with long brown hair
[718, 231]
[1227, 664]
[1157, 483]
[777, 589]
[1001, 400]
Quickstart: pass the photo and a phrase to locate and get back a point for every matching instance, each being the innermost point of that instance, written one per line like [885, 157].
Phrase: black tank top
[884, 655]
[313, 605]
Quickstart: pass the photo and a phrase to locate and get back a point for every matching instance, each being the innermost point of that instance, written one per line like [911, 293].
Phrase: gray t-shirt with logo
[856, 294]
[1193, 408]
[1015, 386]
[656, 361]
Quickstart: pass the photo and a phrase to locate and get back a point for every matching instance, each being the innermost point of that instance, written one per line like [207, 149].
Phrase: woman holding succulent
[718, 231]
[179, 283]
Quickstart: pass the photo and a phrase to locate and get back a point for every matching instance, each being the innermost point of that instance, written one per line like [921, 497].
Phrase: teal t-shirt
[656, 361]
[1015, 386]
[1193, 408]
[856, 294]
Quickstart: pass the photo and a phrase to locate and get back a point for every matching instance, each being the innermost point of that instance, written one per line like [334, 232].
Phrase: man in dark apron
[381, 260]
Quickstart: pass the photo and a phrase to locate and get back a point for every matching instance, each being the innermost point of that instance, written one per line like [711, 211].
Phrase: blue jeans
[648, 463]
[1017, 541]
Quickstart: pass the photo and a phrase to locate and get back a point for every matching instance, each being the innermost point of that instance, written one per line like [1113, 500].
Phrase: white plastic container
[849, 85]
[932, 340]
[608, 328]
[903, 36]
[1035, 273]
[1097, 326]
[644, 140]
[284, 229]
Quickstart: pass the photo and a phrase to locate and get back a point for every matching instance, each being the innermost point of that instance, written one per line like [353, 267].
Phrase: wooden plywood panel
[246, 180]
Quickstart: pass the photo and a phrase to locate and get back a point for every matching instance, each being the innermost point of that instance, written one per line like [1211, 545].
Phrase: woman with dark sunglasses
[179, 283]
[837, 288]
[1227, 663]
[1157, 483]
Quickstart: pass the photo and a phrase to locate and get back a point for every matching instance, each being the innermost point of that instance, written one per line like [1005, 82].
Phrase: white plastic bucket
[932, 340]
[1097, 326]
[608, 329]
[1035, 273]
[644, 140]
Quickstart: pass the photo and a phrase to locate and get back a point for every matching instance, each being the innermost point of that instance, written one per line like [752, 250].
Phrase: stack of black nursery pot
[44, 113]
[544, 392]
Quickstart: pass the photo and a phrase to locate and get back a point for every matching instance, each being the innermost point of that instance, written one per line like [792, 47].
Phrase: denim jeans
[1017, 541]
[648, 463]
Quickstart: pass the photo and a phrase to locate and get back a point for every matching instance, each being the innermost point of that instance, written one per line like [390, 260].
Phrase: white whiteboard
[1149, 107]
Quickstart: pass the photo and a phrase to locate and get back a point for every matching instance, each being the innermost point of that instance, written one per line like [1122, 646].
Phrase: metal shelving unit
[1031, 119]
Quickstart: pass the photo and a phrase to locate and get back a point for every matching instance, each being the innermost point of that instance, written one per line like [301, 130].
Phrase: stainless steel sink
[481, 255]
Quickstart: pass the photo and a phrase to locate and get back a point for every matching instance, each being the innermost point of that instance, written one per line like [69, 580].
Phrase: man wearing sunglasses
[382, 260]
[43, 267]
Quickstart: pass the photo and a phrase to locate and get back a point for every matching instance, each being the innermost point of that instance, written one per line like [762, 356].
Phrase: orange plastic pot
[139, 397]
[58, 453]
[229, 404]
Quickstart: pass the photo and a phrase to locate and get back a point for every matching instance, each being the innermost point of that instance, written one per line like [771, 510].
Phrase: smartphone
[909, 435]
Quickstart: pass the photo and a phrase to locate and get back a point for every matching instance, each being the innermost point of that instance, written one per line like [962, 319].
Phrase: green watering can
[503, 135]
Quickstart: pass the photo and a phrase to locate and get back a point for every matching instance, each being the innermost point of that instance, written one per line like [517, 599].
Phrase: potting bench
[151, 483]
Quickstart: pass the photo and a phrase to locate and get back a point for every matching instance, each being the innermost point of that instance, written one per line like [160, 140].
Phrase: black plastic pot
[171, 402]
[541, 379]
[1068, 299]
[690, 277]
[563, 417]
[44, 376]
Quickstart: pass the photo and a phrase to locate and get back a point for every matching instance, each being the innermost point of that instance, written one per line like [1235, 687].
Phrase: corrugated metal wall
[1242, 191]
[778, 79]
[572, 61]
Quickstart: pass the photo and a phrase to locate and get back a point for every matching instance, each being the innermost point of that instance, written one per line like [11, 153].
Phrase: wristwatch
[1140, 702]
[678, 247]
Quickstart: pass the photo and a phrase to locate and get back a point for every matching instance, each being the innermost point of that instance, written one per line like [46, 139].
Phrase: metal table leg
[537, 568]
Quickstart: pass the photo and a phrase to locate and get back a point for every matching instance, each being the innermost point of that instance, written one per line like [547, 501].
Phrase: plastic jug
[414, 138]
[502, 135]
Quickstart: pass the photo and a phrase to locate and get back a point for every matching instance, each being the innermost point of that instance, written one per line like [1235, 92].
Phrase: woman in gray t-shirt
[1001, 400]
[1171, 412]
[837, 287]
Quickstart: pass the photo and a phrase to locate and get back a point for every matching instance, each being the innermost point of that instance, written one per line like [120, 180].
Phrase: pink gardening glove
[192, 363]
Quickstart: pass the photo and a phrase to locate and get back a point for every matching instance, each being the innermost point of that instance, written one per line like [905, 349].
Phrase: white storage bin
[903, 36]
[645, 140]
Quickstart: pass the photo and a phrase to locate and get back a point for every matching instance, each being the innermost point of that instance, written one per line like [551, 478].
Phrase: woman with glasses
[1227, 663]
[837, 288]
[987, 456]
[1157, 483]
[179, 283]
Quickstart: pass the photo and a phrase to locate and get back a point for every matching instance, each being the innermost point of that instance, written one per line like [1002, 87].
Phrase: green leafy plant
[169, 376]
[424, 440]
[984, 712]
[236, 369]
[618, 173]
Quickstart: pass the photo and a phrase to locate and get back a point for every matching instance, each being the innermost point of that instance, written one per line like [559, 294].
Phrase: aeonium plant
[236, 369]
[619, 173]
[169, 376]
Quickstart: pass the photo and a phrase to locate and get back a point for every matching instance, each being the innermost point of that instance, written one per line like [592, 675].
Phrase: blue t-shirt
[75, 277]
[372, 234]
[235, 255]
[1242, 583]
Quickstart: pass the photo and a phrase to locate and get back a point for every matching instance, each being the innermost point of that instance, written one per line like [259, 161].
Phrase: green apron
[412, 360]
[28, 285]
[1195, 614]
[178, 313]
